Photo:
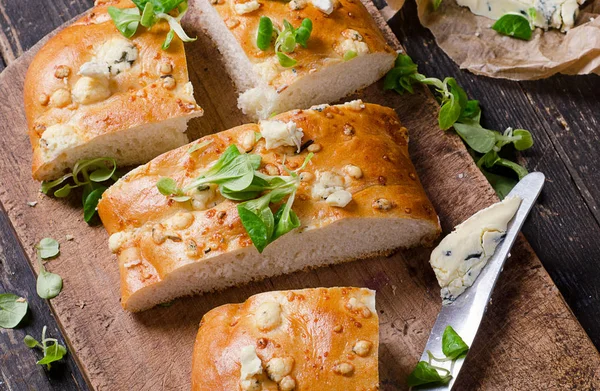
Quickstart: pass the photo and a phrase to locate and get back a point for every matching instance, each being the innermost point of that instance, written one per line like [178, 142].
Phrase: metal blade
[466, 312]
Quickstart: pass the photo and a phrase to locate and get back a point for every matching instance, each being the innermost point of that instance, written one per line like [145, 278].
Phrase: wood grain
[563, 114]
[529, 340]
[18, 371]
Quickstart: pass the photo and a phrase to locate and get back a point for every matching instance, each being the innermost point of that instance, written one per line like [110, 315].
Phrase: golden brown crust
[324, 47]
[367, 136]
[318, 334]
[138, 95]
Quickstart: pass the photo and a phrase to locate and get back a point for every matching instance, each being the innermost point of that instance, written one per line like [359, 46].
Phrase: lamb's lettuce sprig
[48, 285]
[93, 176]
[238, 179]
[464, 115]
[516, 25]
[425, 372]
[53, 351]
[149, 12]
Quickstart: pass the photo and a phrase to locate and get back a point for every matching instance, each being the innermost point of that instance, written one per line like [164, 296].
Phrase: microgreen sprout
[12, 310]
[48, 284]
[515, 25]
[168, 187]
[52, 350]
[238, 179]
[349, 55]
[464, 115]
[265, 33]
[149, 12]
[92, 175]
[286, 40]
[425, 372]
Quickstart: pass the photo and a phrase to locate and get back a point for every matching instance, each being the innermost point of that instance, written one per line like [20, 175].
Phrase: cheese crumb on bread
[320, 333]
[350, 205]
[320, 74]
[90, 92]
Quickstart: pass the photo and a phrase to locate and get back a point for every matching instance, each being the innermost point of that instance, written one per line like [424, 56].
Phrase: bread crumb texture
[319, 343]
[345, 52]
[357, 196]
[90, 92]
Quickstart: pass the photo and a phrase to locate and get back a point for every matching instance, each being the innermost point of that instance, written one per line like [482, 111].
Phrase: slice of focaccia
[311, 339]
[358, 196]
[345, 51]
[90, 92]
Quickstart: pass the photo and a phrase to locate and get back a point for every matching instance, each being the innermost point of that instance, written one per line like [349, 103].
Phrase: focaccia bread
[358, 196]
[311, 339]
[90, 92]
[321, 73]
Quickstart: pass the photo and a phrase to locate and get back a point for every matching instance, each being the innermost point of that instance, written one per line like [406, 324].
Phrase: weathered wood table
[563, 114]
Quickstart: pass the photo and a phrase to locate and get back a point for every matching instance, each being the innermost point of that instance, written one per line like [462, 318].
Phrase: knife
[465, 313]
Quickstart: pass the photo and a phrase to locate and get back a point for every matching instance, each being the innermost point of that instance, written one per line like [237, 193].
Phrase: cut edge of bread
[259, 100]
[136, 145]
[342, 241]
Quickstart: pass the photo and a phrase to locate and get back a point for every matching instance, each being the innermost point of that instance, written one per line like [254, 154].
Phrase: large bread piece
[311, 339]
[168, 249]
[320, 75]
[90, 92]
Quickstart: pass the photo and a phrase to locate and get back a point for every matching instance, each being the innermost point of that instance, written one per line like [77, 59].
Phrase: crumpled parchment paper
[469, 40]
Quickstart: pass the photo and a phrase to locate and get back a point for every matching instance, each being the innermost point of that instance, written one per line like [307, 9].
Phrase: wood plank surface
[529, 339]
[18, 370]
[563, 113]
[23, 24]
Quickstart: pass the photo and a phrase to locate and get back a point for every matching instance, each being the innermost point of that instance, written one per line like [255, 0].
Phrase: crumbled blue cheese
[326, 184]
[58, 138]
[325, 6]
[95, 70]
[268, 316]
[119, 53]
[320, 107]
[111, 58]
[363, 300]
[90, 90]
[356, 105]
[247, 7]
[460, 256]
[118, 239]
[279, 133]
[339, 199]
[297, 4]
[559, 14]
[250, 362]
[352, 42]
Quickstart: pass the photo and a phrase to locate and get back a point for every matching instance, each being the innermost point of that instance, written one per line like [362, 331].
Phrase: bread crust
[319, 331]
[324, 48]
[377, 144]
[138, 95]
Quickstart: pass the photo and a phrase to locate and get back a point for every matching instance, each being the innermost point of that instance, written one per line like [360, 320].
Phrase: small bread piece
[359, 196]
[311, 339]
[321, 73]
[90, 92]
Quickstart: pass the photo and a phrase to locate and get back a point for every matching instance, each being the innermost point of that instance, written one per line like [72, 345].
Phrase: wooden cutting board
[529, 339]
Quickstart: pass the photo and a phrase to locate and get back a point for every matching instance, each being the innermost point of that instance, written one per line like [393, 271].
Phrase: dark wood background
[562, 112]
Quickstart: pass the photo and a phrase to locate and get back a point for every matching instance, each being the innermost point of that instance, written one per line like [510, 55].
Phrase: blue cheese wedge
[460, 256]
[558, 14]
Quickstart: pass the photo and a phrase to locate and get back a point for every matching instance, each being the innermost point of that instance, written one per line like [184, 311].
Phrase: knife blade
[466, 312]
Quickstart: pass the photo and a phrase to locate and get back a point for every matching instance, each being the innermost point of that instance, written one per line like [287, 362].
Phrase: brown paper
[469, 40]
